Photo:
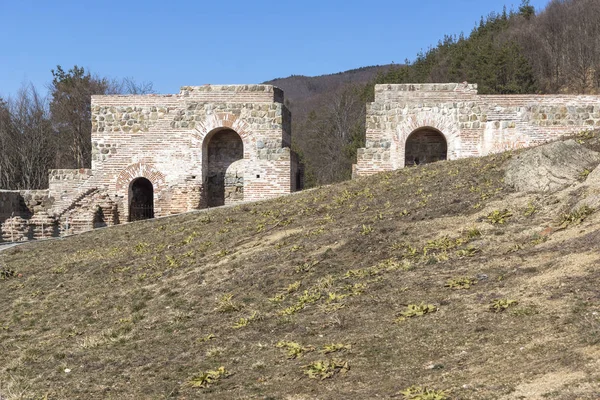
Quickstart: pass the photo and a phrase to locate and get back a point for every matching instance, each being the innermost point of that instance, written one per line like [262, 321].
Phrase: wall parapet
[389, 92]
[234, 93]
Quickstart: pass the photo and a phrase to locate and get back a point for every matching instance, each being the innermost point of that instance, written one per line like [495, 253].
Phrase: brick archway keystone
[139, 170]
[222, 120]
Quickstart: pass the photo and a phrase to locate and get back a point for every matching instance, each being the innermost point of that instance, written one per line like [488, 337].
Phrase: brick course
[472, 124]
[165, 139]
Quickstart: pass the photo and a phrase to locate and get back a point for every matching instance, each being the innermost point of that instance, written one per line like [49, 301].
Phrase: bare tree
[27, 141]
[71, 113]
[330, 135]
[130, 86]
[7, 147]
[563, 45]
[36, 135]
[580, 49]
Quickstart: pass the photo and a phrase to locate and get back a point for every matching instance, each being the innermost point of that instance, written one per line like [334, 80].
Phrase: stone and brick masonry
[411, 124]
[155, 155]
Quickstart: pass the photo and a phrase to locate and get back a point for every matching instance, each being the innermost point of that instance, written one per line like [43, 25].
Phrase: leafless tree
[71, 114]
[130, 86]
[563, 45]
[27, 141]
[329, 136]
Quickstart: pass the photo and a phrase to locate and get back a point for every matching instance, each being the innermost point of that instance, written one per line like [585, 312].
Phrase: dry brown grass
[143, 311]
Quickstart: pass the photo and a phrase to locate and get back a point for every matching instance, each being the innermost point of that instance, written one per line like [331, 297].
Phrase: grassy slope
[126, 309]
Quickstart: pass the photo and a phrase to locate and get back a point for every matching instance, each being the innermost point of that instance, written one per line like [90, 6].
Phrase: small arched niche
[141, 199]
[425, 145]
[223, 172]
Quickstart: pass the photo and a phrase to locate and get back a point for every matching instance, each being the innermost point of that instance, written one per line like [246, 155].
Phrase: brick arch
[447, 125]
[426, 145]
[223, 120]
[139, 170]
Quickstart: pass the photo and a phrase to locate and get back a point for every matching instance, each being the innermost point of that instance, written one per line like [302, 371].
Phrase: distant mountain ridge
[300, 88]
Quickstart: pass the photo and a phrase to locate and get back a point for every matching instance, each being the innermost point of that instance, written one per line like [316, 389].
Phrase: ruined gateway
[156, 155]
[410, 124]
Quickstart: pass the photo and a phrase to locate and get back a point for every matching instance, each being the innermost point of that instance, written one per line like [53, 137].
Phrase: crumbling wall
[23, 215]
[166, 140]
[224, 148]
[234, 182]
[472, 124]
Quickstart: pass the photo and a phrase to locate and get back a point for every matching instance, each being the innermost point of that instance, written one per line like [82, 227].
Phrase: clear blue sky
[175, 43]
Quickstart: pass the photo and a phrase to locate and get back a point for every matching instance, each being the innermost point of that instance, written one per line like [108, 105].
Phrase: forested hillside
[556, 51]
[508, 52]
[300, 91]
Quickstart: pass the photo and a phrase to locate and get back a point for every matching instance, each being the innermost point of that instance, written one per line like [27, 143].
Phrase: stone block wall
[238, 134]
[23, 202]
[167, 139]
[471, 124]
[23, 215]
[64, 184]
[11, 203]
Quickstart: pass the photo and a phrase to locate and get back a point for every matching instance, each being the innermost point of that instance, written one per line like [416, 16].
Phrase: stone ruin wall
[24, 215]
[163, 138]
[472, 124]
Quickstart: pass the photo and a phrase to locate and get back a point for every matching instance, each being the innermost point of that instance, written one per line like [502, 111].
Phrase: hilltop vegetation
[300, 91]
[507, 52]
[555, 51]
[438, 280]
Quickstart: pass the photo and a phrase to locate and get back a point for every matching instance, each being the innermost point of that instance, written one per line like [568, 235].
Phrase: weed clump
[366, 230]
[530, 209]
[324, 369]
[423, 393]
[500, 305]
[293, 349]
[205, 379]
[498, 217]
[242, 322]
[7, 273]
[334, 347]
[461, 283]
[584, 174]
[416, 310]
[576, 216]
[225, 304]
[206, 338]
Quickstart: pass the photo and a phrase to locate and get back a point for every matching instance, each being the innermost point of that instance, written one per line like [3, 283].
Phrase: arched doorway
[141, 199]
[224, 180]
[425, 145]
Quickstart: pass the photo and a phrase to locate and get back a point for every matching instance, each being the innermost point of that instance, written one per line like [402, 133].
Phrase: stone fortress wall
[411, 124]
[156, 155]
